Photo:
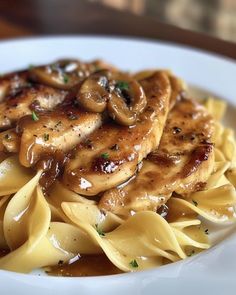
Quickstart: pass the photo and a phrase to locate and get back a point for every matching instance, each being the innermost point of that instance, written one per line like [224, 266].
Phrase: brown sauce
[172, 213]
[87, 265]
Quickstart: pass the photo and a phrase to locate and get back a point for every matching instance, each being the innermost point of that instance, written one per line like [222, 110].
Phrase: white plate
[212, 271]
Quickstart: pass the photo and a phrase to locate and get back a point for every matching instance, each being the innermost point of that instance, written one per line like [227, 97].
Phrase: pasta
[44, 222]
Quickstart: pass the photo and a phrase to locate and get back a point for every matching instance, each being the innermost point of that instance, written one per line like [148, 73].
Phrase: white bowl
[211, 272]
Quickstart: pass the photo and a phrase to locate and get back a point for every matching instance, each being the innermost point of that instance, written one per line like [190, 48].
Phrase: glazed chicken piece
[182, 163]
[19, 95]
[113, 152]
[178, 86]
[10, 84]
[9, 141]
[59, 130]
[65, 73]
[37, 98]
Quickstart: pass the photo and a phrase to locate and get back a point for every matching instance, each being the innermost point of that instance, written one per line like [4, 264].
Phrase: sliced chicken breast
[60, 130]
[37, 98]
[182, 163]
[9, 141]
[111, 154]
[12, 83]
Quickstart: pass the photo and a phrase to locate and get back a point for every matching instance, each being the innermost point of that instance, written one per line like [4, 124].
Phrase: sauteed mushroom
[94, 92]
[63, 74]
[122, 95]
[126, 102]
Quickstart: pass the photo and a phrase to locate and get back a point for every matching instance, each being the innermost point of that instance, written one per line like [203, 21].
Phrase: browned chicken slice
[10, 84]
[65, 73]
[37, 98]
[178, 87]
[60, 130]
[111, 154]
[9, 141]
[182, 163]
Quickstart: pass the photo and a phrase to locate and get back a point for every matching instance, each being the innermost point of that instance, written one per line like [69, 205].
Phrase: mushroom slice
[64, 74]
[120, 93]
[115, 150]
[37, 98]
[94, 92]
[126, 102]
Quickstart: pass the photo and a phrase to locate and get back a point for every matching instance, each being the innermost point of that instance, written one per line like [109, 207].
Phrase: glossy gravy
[87, 265]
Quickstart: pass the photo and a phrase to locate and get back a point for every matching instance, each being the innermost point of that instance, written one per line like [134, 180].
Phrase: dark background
[205, 24]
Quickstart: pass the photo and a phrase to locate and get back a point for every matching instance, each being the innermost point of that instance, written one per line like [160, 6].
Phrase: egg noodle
[40, 231]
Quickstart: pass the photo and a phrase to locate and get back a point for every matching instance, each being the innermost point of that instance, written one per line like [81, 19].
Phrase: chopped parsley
[122, 85]
[65, 78]
[31, 66]
[195, 203]
[99, 231]
[46, 136]
[191, 253]
[133, 263]
[105, 155]
[34, 117]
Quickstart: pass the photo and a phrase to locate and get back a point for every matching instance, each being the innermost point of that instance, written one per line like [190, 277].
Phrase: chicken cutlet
[114, 150]
[24, 102]
[12, 83]
[182, 163]
[60, 130]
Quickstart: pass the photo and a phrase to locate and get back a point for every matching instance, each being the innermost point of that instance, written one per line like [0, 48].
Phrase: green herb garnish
[65, 78]
[31, 66]
[34, 117]
[99, 231]
[105, 155]
[195, 203]
[133, 263]
[122, 85]
[191, 253]
[46, 136]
